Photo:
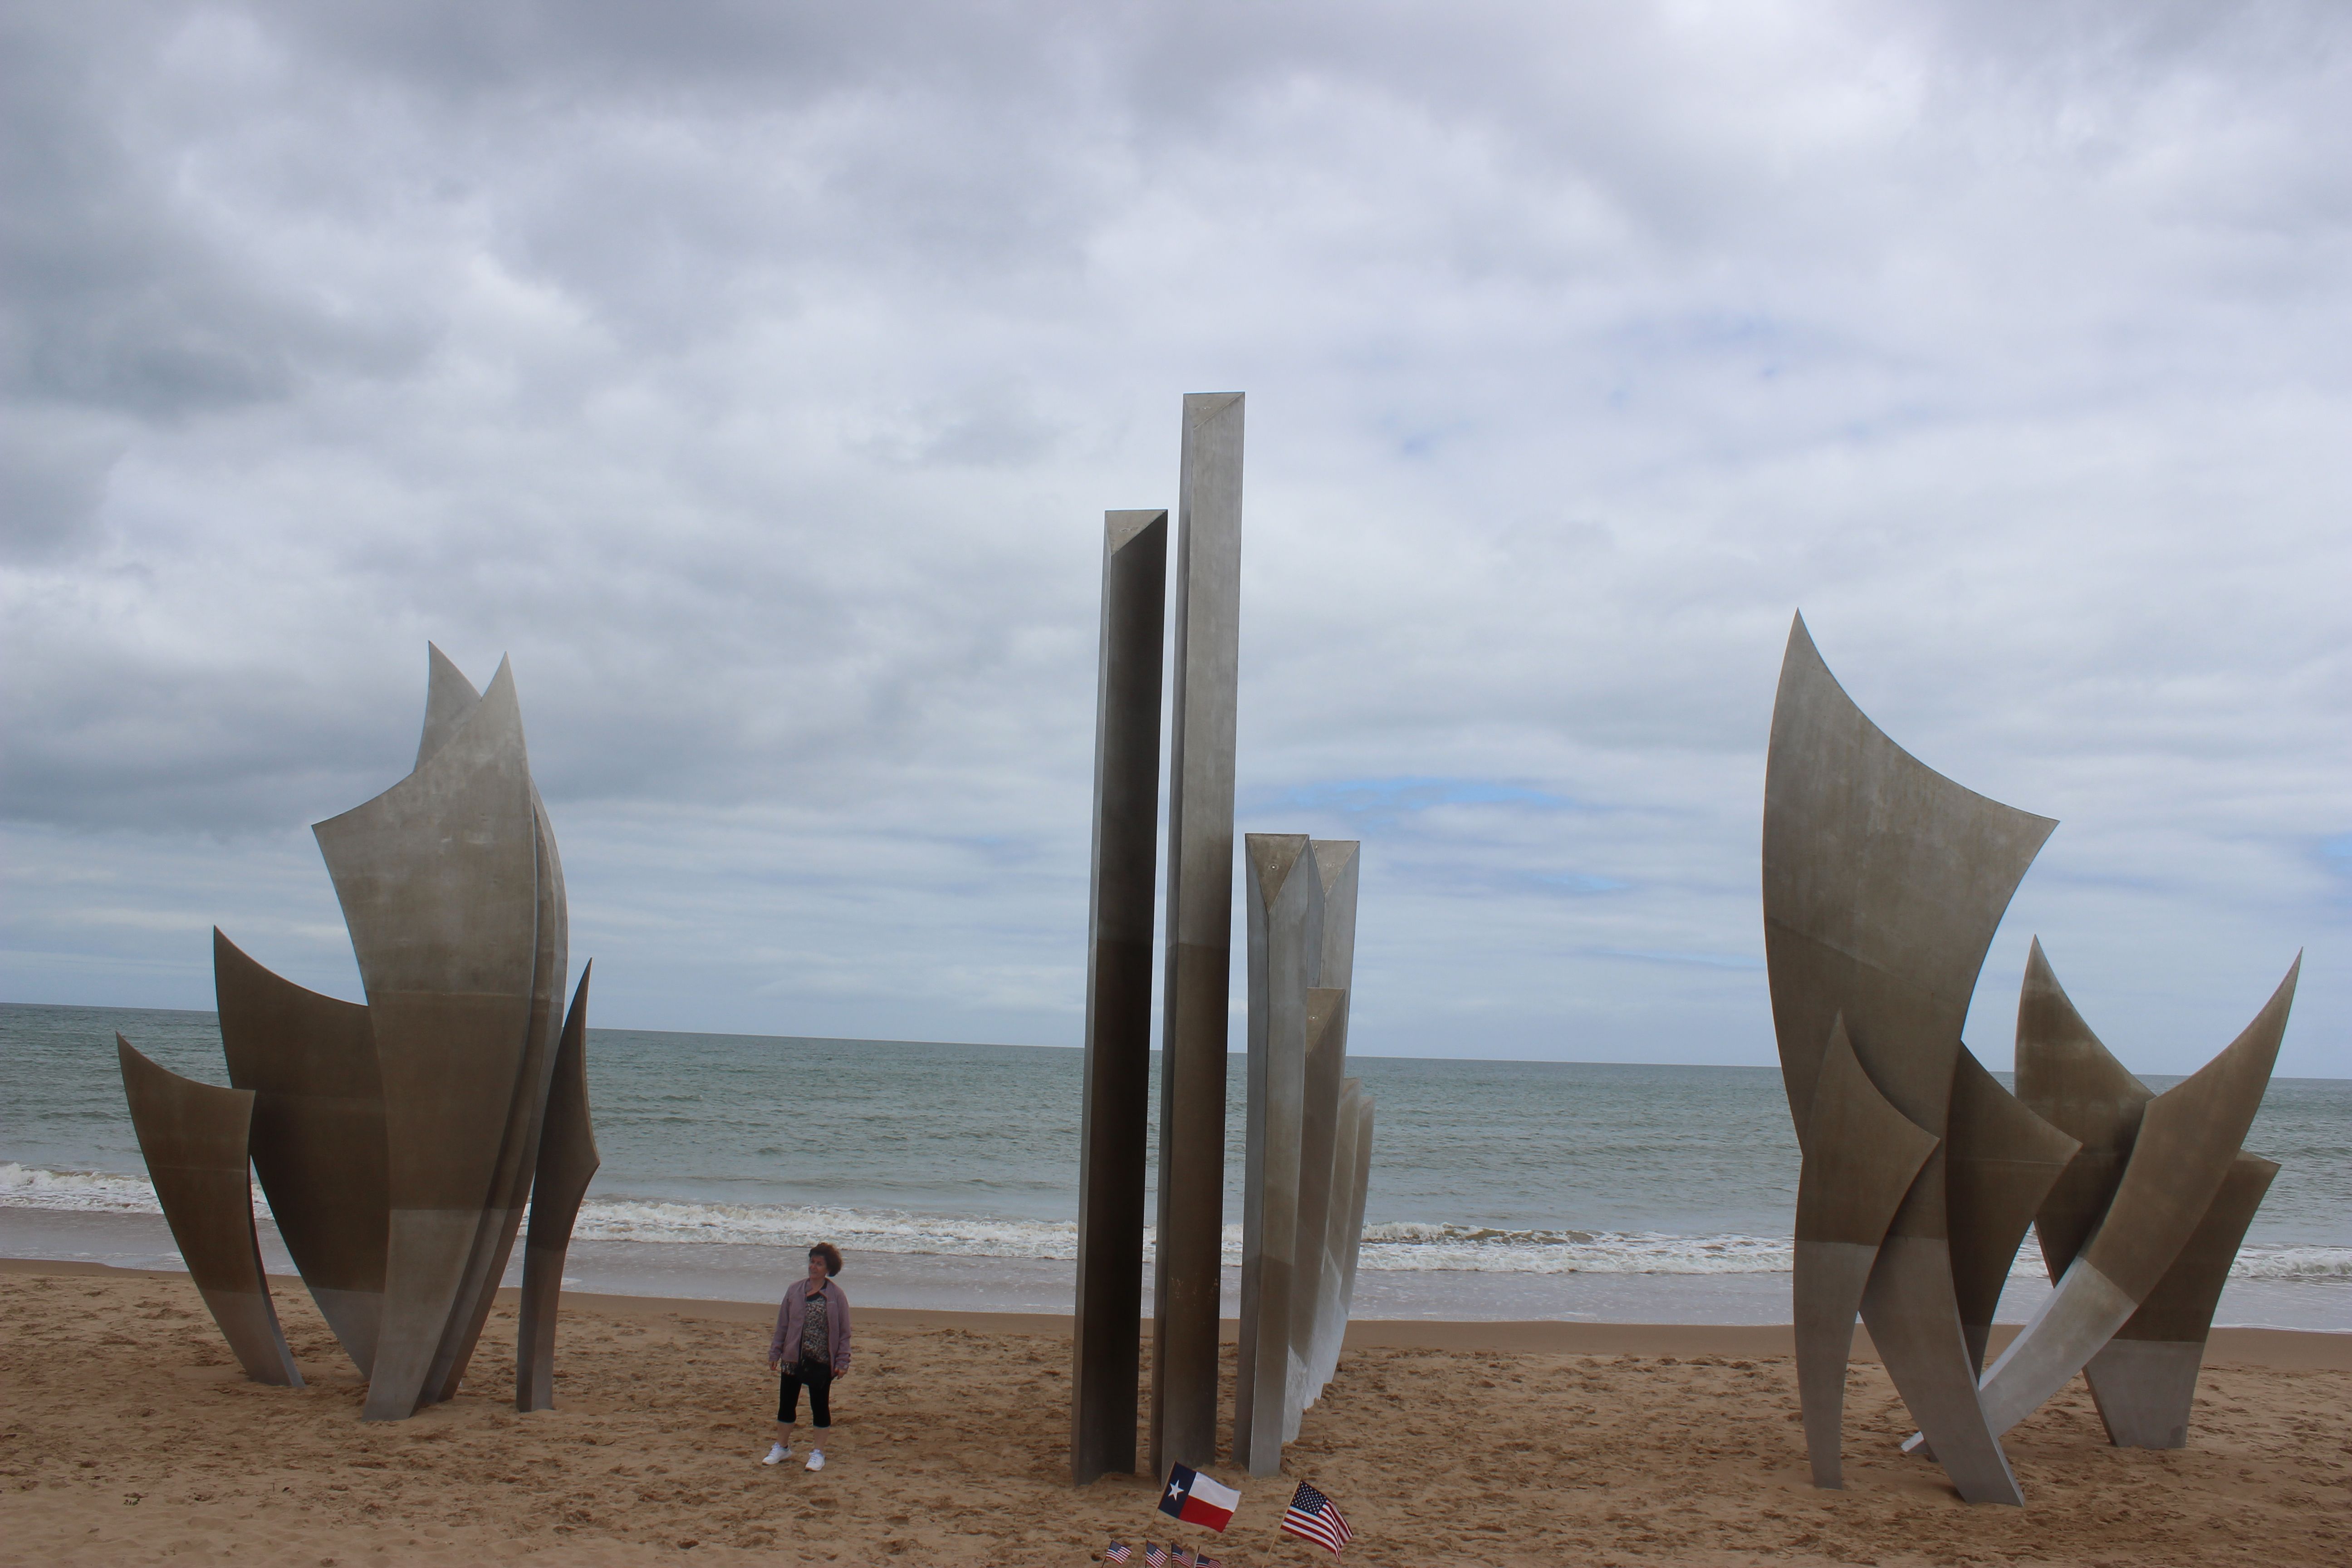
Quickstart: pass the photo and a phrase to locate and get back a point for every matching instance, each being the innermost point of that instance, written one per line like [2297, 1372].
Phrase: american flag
[1157, 1556]
[1115, 1552]
[1311, 1517]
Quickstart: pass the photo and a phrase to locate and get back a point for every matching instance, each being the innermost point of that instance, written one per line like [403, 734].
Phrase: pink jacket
[785, 1344]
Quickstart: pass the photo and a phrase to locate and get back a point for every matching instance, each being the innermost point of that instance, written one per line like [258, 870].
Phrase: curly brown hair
[832, 1255]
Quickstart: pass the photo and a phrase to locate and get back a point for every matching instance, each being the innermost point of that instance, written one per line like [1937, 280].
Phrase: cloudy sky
[756, 376]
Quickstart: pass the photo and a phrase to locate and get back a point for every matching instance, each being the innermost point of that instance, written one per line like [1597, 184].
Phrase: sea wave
[82, 1192]
[1395, 1246]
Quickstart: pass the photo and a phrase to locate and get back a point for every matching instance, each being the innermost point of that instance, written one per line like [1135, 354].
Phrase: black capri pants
[819, 1379]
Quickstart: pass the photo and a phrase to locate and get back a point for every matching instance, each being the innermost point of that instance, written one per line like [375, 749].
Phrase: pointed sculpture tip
[1802, 649]
[1276, 855]
[1121, 529]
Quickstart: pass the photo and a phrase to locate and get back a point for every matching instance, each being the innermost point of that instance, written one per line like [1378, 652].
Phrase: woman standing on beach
[813, 1336]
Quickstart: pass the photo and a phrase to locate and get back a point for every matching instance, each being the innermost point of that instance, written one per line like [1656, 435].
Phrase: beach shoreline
[2281, 1349]
[131, 1436]
[733, 1271]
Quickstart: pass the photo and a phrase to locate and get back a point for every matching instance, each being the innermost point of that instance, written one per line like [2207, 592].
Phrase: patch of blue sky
[2335, 858]
[1580, 883]
[1390, 800]
[1698, 959]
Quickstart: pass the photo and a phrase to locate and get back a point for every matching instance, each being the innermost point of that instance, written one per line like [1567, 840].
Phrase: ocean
[948, 1173]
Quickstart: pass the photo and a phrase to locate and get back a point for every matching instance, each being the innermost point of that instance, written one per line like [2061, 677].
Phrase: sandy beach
[130, 1438]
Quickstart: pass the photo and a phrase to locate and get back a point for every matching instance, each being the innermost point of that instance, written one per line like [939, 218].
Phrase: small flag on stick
[1115, 1552]
[1311, 1517]
[1156, 1556]
[1197, 1499]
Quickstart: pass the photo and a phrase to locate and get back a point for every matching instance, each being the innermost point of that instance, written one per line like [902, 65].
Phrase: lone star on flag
[1197, 1499]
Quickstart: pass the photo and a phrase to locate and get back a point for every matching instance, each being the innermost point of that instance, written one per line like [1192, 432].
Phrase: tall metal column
[1325, 1176]
[1287, 1018]
[1107, 1349]
[1198, 935]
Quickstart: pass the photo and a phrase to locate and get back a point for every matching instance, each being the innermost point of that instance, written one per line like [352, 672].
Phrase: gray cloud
[756, 376]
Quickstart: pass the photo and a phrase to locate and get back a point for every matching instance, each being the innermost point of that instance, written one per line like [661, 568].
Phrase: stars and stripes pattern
[1311, 1517]
[1155, 1556]
[1115, 1552]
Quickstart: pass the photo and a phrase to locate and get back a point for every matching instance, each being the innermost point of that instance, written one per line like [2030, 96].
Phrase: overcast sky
[756, 376]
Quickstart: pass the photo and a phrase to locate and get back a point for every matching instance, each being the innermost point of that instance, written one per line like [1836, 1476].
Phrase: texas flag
[1197, 1500]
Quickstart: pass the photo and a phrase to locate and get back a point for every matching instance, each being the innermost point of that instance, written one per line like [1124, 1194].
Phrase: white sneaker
[817, 1458]
[777, 1454]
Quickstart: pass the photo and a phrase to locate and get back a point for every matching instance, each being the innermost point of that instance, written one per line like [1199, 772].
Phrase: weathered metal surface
[1318, 1139]
[1883, 884]
[1355, 1226]
[194, 1138]
[2144, 1380]
[2066, 1076]
[567, 1160]
[1115, 1121]
[1185, 1282]
[1331, 1303]
[2189, 1136]
[2000, 1163]
[449, 699]
[1915, 1323]
[1285, 903]
[1861, 1156]
[518, 1147]
[1315, 1290]
[438, 881]
[318, 1135]
[1326, 1050]
[1339, 863]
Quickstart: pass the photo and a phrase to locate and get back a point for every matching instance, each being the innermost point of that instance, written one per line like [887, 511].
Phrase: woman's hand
[841, 1372]
[774, 1361]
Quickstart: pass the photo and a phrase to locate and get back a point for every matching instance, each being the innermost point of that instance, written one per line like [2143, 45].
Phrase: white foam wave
[2293, 1263]
[1486, 1250]
[1401, 1246]
[790, 1225]
[84, 1191]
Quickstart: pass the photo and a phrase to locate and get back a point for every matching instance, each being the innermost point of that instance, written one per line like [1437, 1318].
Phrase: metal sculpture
[1310, 1129]
[318, 1135]
[193, 1137]
[567, 1160]
[398, 1142]
[1883, 882]
[2157, 1237]
[1115, 1123]
[1199, 961]
[1301, 901]
[1324, 1192]
[1351, 1162]
[1285, 944]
